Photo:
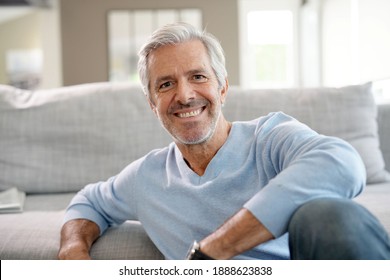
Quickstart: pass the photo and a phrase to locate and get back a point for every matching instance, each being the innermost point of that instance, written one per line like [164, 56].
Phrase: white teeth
[190, 114]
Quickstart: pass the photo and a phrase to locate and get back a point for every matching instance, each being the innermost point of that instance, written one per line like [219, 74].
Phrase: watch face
[192, 251]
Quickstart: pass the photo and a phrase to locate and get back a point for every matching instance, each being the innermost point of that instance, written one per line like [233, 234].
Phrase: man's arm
[237, 235]
[77, 237]
[307, 166]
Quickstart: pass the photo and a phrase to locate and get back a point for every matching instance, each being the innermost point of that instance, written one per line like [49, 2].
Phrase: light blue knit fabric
[270, 166]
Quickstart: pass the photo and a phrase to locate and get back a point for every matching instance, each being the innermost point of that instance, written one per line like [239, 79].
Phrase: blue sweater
[270, 166]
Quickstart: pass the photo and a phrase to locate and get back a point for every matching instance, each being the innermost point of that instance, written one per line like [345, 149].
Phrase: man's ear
[152, 106]
[224, 91]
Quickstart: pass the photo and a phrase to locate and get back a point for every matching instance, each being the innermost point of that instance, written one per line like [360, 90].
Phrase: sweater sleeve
[301, 165]
[106, 203]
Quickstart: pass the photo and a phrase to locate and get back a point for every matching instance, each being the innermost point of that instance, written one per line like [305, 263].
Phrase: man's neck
[199, 156]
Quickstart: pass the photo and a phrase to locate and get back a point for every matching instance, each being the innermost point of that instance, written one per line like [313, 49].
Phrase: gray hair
[176, 33]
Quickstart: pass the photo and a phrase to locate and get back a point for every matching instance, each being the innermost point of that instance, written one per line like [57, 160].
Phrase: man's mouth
[190, 114]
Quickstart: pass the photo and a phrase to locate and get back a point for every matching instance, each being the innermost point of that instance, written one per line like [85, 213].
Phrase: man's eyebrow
[197, 71]
[164, 78]
[161, 79]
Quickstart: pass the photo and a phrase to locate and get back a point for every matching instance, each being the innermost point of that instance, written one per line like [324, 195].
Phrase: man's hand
[77, 237]
[237, 235]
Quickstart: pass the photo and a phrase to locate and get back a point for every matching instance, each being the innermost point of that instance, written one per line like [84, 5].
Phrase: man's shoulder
[275, 125]
[270, 120]
[150, 161]
[158, 154]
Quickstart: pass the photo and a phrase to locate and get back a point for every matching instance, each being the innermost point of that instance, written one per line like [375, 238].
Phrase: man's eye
[199, 78]
[165, 85]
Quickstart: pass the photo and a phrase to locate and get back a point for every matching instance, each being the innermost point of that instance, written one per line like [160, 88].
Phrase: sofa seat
[35, 233]
[376, 198]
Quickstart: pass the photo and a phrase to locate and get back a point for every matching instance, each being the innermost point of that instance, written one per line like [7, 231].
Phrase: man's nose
[184, 92]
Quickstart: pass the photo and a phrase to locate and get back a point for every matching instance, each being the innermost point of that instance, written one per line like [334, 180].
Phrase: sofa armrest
[128, 241]
[35, 235]
[384, 131]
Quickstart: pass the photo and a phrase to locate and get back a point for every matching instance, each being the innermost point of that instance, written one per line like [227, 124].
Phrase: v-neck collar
[214, 167]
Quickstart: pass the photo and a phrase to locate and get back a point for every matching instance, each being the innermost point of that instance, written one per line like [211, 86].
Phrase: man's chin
[190, 142]
[195, 140]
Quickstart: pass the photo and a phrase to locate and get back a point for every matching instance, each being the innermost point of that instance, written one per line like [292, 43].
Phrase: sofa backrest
[349, 113]
[59, 140]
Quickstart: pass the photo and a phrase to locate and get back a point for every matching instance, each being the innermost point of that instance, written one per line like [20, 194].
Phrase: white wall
[51, 47]
[355, 41]
[374, 39]
[310, 44]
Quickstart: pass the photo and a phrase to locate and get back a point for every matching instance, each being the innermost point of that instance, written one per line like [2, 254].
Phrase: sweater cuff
[273, 208]
[85, 212]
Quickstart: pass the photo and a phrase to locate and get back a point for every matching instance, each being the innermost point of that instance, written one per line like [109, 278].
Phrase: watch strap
[196, 254]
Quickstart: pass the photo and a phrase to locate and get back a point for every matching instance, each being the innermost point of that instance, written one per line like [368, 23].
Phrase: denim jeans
[337, 229]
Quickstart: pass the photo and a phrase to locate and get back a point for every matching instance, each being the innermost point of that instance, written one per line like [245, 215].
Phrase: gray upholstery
[54, 142]
[62, 139]
[36, 235]
[376, 198]
[384, 131]
[349, 113]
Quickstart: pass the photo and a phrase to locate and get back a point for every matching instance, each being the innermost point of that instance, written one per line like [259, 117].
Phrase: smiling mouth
[190, 114]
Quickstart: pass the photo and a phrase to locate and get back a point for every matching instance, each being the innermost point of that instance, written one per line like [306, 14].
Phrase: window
[129, 30]
[271, 48]
[268, 50]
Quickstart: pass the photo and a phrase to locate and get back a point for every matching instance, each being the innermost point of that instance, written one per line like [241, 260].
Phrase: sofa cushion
[128, 241]
[348, 112]
[376, 198]
[47, 202]
[36, 235]
[384, 131]
[59, 140]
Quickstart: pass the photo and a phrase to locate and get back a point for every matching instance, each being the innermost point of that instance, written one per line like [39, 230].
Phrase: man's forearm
[77, 237]
[239, 234]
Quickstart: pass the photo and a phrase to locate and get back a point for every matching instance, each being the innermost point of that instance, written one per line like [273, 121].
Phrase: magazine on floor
[12, 201]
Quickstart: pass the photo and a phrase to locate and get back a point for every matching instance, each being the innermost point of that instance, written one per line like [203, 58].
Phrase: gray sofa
[54, 142]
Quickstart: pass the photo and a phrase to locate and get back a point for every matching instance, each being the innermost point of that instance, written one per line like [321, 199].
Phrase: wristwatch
[196, 254]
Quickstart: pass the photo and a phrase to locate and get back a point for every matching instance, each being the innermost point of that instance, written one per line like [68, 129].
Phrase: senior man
[270, 188]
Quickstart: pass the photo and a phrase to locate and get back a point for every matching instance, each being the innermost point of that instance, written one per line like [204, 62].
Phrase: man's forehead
[195, 47]
[190, 55]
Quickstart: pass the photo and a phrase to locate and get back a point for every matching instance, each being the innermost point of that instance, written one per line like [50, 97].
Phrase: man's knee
[325, 221]
[333, 228]
[326, 214]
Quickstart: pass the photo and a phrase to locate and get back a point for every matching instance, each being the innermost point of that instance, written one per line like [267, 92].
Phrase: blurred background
[268, 43]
